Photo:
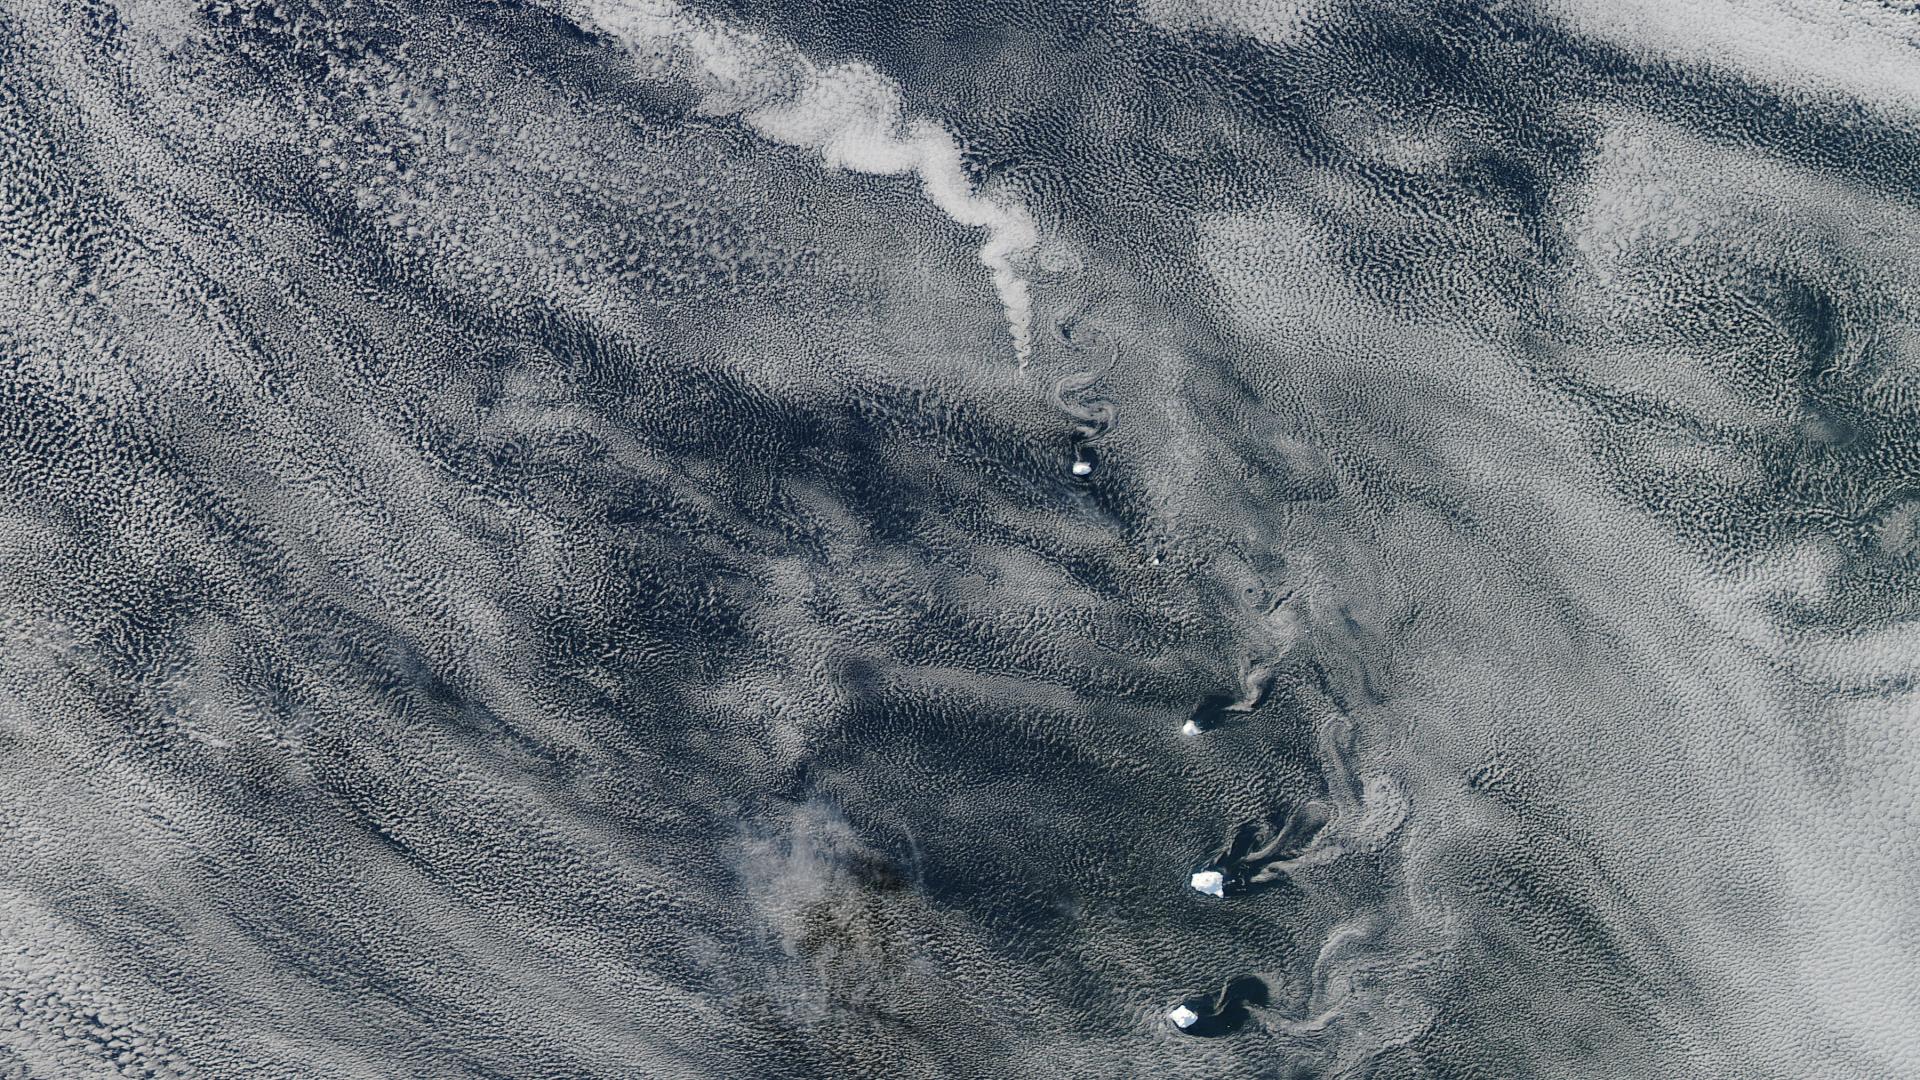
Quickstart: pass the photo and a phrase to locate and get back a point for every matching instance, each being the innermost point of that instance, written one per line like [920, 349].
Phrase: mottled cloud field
[723, 538]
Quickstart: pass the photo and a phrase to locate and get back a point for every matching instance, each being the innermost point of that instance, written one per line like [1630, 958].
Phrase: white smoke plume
[850, 114]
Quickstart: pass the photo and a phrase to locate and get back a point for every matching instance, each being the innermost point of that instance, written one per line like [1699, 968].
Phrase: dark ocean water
[614, 538]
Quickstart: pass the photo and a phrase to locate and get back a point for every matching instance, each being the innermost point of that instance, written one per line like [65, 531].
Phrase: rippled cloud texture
[735, 538]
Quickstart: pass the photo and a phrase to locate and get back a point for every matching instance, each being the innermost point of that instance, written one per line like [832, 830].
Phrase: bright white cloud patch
[849, 114]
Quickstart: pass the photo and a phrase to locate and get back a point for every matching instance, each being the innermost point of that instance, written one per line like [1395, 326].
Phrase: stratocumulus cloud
[742, 538]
